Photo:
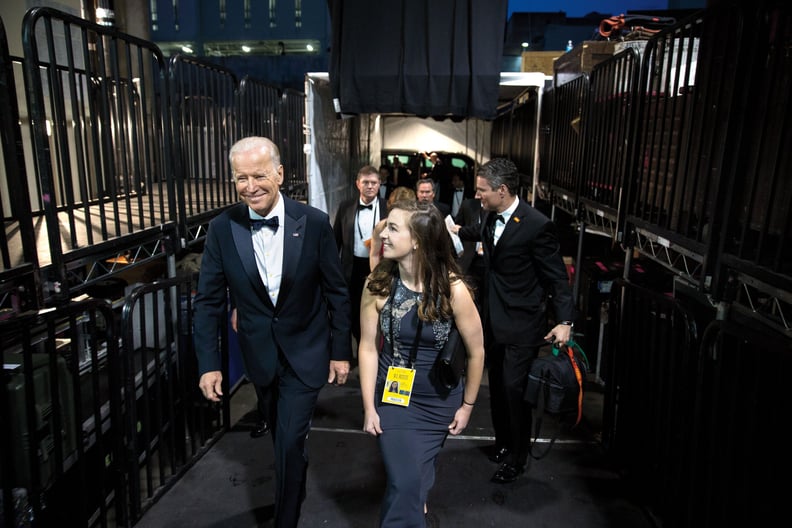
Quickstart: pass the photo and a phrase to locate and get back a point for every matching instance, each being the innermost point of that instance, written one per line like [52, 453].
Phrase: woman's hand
[371, 424]
[461, 419]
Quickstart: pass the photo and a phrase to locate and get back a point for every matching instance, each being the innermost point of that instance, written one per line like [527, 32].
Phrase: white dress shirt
[459, 196]
[499, 226]
[268, 247]
[365, 219]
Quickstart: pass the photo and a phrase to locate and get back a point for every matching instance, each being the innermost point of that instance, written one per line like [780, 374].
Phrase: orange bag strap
[579, 378]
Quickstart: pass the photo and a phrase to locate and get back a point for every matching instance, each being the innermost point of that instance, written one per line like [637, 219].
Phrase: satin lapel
[244, 245]
[485, 234]
[482, 215]
[293, 237]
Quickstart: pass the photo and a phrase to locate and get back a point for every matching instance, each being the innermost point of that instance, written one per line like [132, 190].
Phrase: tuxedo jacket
[470, 214]
[444, 208]
[344, 230]
[310, 322]
[524, 266]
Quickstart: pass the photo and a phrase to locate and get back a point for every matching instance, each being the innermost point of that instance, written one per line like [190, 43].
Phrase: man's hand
[211, 385]
[560, 334]
[339, 372]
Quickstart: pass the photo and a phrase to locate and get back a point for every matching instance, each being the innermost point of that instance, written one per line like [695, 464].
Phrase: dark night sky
[579, 8]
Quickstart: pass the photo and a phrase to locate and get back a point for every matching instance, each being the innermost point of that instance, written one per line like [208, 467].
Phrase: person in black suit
[458, 194]
[401, 176]
[386, 182]
[424, 191]
[523, 263]
[353, 226]
[471, 261]
[278, 260]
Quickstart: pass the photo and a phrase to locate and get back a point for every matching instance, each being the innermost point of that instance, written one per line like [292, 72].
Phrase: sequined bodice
[399, 323]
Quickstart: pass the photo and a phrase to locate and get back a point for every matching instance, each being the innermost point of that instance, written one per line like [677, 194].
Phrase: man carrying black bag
[522, 259]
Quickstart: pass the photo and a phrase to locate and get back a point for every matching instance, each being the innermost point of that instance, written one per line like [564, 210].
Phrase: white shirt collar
[279, 210]
[510, 210]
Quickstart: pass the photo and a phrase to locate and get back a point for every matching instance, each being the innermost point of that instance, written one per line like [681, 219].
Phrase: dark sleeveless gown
[411, 436]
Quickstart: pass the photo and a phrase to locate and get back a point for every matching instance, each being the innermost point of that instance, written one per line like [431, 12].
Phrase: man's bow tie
[459, 190]
[264, 222]
[361, 206]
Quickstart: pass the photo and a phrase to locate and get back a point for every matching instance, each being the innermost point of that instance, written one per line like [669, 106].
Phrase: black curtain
[424, 57]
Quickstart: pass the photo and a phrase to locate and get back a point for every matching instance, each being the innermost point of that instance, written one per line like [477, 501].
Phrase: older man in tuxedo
[278, 260]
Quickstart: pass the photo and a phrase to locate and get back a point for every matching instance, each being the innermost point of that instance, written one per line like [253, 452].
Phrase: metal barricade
[19, 287]
[566, 145]
[607, 129]
[259, 109]
[754, 269]
[96, 98]
[685, 97]
[514, 136]
[62, 436]
[291, 133]
[168, 422]
[649, 404]
[203, 101]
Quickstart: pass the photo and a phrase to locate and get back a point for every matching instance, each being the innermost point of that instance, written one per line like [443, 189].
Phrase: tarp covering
[422, 57]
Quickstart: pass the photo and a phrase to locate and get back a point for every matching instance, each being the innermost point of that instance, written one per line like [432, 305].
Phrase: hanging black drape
[422, 57]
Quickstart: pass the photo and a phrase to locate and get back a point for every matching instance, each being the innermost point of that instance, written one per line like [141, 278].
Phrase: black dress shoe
[260, 429]
[507, 473]
[499, 454]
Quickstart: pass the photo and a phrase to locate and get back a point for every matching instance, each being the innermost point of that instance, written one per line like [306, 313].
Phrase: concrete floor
[232, 484]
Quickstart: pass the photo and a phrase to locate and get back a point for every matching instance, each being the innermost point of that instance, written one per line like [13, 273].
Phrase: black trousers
[360, 270]
[508, 367]
[291, 405]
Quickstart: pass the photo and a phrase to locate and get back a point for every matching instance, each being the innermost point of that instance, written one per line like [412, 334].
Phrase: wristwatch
[567, 323]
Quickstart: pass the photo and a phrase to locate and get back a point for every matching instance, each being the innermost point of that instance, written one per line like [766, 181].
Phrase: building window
[176, 15]
[273, 8]
[298, 13]
[154, 24]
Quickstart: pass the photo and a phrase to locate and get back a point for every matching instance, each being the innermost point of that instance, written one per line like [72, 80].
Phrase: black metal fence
[102, 410]
[115, 160]
[692, 409]
[514, 133]
[682, 158]
[168, 424]
[607, 126]
[18, 280]
[677, 148]
[120, 143]
[566, 144]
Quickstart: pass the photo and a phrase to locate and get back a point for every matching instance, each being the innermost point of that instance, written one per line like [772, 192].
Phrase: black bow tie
[500, 217]
[459, 190]
[361, 206]
[264, 222]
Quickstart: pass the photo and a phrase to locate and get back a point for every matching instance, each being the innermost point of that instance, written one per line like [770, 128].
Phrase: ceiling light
[246, 49]
[309, 47]
[187, 49]
[524, 44]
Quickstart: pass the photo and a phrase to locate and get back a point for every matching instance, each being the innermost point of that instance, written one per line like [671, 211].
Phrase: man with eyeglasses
[354, 223]
[277, 260]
